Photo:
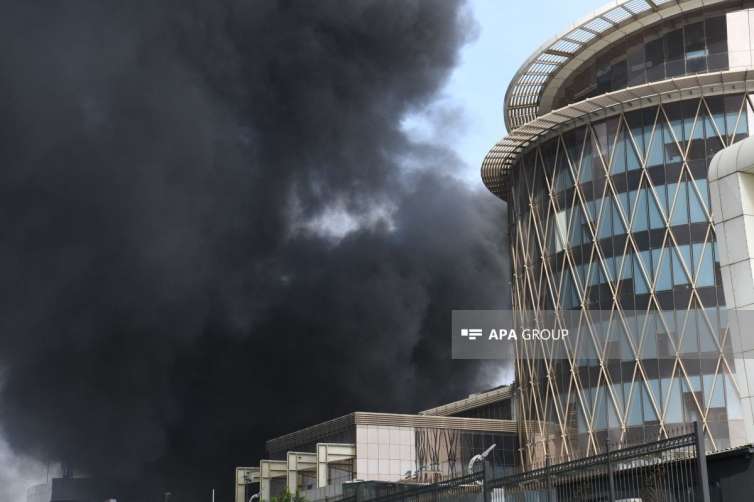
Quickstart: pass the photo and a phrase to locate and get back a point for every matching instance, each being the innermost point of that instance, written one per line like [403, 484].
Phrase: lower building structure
[391, 448]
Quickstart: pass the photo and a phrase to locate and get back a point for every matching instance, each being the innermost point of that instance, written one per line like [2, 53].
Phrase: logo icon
[471, 334]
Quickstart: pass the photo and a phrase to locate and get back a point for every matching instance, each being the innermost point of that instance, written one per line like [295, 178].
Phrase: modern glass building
[612, 127]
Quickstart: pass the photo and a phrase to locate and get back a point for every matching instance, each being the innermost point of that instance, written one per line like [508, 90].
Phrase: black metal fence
[464, 488]
[669, 470]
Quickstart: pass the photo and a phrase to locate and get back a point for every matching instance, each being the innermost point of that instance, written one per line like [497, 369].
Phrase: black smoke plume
[215, 230]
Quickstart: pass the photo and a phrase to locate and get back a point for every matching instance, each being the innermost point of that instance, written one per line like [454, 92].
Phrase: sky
[508, 34]
[106, 239]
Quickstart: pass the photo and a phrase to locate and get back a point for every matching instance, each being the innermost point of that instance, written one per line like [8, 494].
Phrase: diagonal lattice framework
[614, 216]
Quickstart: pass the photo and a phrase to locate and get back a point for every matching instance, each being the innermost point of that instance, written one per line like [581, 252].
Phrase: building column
[245, 476]
[299, 461]
[269, 469]
[329, 453]
[731, 184]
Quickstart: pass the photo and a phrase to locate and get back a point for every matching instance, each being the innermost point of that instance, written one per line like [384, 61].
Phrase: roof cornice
[497, 165]
[534, 86]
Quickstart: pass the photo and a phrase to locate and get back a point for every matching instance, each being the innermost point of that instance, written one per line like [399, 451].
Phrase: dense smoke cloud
[215, 230]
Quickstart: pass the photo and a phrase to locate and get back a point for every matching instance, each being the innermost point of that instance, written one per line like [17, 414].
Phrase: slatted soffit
[532, 90]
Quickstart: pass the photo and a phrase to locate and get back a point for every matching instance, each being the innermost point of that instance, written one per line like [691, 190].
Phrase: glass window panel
[600, 412]
[641, 215]
[574, 141]
[662, 269]
[634, 404]
[686, 255]
[602, 78]
[674, 114]
[619, 75]
[696, 50]
[706, 338]
[696, 253]
[714, 393]
[640, 285]
[618, 227]
[566, 288]
[581, 426]
[717, 35]
[605, 227]
[690, 334]
[576, 226]
[693, 125]
[646, 259]
[635, 121]
[619, 155]
[672, 152]
[696, 210]
[673, 410]
[655, 155]
[625, 262]
[654, 57]
[597, 276]
[706, 275]
[742, 127]
[624, 202]
[616, 399]
[585, 174]
[733, 403]
[732, 107]
[610, 265]
[655, 216]
[633, 160]
[602, 137]
[680, 210]
[635, 62]
[649, 411]
[674, 53]
[561, 229]
[679, 277]
[713, 133]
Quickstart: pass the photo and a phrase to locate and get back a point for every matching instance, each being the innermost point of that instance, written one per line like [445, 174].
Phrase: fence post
[548, 483]
[485, 489]
[701, 463]
[610, 480]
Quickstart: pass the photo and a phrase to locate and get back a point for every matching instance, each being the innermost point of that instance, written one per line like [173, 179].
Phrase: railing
[462, 488]
[668, 470]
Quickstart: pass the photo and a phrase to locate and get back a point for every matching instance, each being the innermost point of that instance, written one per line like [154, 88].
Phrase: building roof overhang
[471, 402]
[318, 431]
[534, 86]
[498, 163]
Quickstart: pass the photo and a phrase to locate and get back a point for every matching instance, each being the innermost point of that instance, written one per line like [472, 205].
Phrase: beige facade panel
[731, 180]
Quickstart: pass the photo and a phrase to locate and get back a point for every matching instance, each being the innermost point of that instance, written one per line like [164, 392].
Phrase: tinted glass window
[654, 56]
[636, 66]
[696, 51]
[674, 53]
[717, 43]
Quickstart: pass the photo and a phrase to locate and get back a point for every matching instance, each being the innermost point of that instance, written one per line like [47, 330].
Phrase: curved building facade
[612, 127]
